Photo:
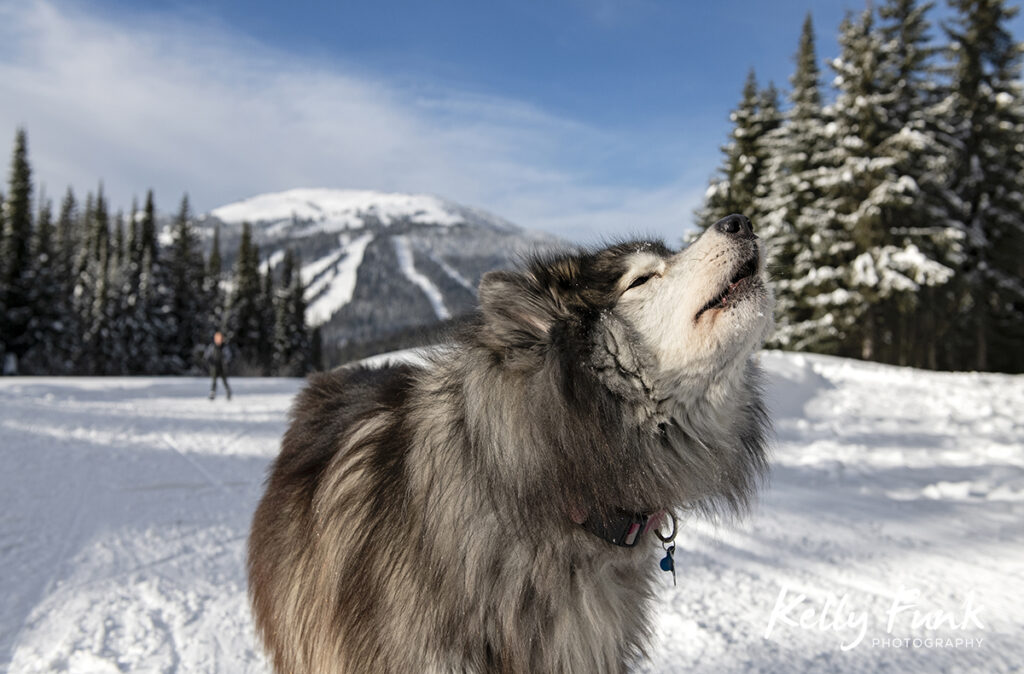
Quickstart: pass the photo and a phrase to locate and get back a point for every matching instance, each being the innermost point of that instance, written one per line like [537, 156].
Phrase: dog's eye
[640, 280]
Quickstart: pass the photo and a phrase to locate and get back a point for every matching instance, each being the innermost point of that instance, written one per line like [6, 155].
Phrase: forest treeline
[892, 201]
[85, 292]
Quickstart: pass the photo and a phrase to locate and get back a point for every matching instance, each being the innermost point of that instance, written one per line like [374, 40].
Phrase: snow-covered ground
[896, 495]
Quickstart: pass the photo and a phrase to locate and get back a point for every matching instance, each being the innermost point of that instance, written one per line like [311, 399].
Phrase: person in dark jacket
[217, 356]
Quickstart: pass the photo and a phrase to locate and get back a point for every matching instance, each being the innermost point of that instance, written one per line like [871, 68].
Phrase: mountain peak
[377, 263]
[335, 210]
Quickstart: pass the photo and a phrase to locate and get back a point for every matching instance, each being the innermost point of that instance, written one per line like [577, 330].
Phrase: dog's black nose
[735, 225]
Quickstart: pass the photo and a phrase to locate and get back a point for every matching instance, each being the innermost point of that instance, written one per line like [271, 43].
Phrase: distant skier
[217, 356]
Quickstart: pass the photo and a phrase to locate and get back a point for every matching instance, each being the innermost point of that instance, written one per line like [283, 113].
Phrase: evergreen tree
[282, 314]
[268, 317]
[3, 288]
[791, 209]
[733, 191]
[316, 351]
[214, 263]
[98, 228]
[43, 241]
[143, 323]
[128, 292]
[15, 252]
[97, 297]
[3, 234]
[153, 321]
[114, 340]
[984, 129]
[67, 240]
[68, 237]
[770, 120]
[187, 286]
[912, 323]
[46, 325]
[83, 277]
[741, 182]
[119, 243]
[149, 324]
[244, 313]
[908, 71]
[291, 335]
[300, 344]
[212, 291]
[162, 295]
[865, 195]
[133, 246]
[138, 337]
[147, 232]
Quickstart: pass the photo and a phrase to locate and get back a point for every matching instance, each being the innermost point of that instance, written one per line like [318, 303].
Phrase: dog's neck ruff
[623, 528]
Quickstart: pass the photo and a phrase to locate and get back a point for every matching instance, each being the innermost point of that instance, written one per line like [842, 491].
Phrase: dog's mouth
[741, 281]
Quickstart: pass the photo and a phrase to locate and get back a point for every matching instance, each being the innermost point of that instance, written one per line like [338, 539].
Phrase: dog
[495, 508]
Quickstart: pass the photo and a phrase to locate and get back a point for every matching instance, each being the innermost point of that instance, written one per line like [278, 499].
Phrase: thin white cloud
[196, 107]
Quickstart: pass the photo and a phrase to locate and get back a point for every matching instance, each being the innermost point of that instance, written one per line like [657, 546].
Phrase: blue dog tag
[668, 563]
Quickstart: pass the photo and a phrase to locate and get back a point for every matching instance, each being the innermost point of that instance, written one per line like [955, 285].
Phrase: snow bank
[125, 504]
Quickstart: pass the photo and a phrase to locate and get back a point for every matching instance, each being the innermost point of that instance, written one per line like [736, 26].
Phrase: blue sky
[584, 118]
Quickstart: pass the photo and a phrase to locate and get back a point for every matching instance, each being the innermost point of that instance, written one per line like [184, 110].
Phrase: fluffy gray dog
[491, 510]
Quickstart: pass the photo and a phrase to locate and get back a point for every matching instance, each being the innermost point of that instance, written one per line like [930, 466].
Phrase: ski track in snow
[334, 290]
[125, 505]
[454, 274]
[313, 273]
[271, 262]
[403, 251]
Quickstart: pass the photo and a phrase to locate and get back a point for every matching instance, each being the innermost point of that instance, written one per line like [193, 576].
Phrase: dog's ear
[517, 312]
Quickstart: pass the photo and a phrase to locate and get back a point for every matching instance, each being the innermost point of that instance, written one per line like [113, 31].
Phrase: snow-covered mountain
[374, 262]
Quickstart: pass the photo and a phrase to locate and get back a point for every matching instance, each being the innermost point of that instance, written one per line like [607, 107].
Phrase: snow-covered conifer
[732, 191]
[982, 119]
[243, 314]
[291, 335]
[45, 354]
[790, 213]
[16, 252]
[186, 271]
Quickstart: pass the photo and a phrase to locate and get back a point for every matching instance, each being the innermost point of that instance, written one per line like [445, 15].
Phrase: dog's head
[673, 321]
[633, 348]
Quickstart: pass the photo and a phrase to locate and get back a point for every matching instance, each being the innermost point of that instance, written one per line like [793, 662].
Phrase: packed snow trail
[403, 251]
[335, 285]
[125, 505]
